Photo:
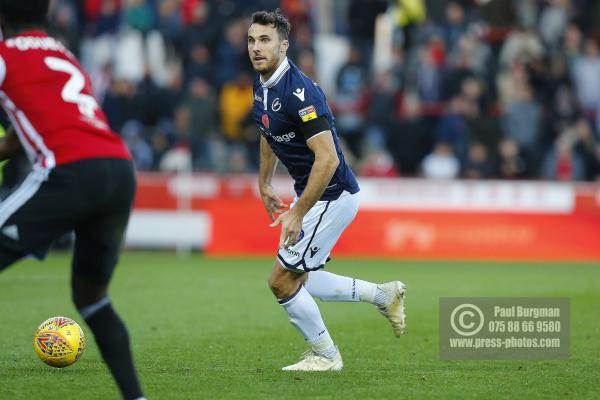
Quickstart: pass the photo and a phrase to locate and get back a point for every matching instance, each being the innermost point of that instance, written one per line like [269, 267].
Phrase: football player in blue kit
[298, 129]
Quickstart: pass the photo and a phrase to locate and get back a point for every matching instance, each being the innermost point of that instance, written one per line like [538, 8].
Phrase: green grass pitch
[209, 329]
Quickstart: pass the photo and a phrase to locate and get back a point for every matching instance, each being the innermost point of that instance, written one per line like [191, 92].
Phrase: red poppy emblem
[265, 121]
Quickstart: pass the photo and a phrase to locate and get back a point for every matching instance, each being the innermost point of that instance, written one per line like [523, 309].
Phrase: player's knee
[283, 288]
[85, 293]
[82, 299]
[275, 285]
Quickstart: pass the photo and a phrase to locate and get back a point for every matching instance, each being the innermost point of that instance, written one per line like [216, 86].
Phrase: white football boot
[315, 362]
[393, 309]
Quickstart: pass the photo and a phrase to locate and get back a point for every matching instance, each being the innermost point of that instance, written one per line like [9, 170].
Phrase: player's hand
[272, 202]
[291, 225]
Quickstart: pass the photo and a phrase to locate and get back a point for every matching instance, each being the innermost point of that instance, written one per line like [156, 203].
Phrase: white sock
[331, 287]
[304, 314]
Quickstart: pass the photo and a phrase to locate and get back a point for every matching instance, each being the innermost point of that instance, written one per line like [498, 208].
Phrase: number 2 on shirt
[71, 92]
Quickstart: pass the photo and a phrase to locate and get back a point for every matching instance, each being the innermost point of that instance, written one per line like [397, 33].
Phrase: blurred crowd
[506, 89]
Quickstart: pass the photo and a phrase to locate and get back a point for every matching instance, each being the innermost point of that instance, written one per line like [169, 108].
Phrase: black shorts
[92, 197]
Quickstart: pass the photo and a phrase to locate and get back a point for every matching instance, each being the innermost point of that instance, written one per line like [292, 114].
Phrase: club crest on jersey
[257, 98]
[276, 105]
[265, 121]
[308, 113]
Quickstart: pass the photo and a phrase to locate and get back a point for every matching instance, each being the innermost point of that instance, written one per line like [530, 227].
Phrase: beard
[265, 66]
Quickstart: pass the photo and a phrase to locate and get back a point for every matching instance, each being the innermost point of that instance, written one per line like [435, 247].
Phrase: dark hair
[24, 12]
[275, 18]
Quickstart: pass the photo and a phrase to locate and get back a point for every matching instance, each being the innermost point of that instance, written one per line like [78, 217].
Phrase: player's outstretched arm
[9, 145]
[268, 163]
[323, 168]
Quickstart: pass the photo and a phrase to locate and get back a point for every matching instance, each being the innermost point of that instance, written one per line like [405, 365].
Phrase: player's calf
[387, 297]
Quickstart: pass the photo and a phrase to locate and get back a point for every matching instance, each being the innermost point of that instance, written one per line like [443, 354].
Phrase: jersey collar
[277, 75]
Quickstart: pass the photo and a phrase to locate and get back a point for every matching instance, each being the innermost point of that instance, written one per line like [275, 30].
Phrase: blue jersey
[281, 105]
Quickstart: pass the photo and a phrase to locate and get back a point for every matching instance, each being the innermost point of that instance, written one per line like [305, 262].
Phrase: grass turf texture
[206, 328]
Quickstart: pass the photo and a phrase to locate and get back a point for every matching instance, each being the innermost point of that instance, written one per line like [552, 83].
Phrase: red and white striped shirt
[48, 98]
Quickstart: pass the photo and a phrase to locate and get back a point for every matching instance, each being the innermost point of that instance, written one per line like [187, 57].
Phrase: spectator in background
[441, 163]
[430, 70]
[563, 111]
[179, 156]
[453, 130]
[151, 101]
[139, 15]
[199, 64]
[101, 81]
[455, 24]
[562, 163]
[473, 55]
[231, 56]
[235, 104]
[237, 161]
[251, 138]
[378, 163]
[572, 44]
[169, 22]
[502, 13]
[182, 124]
[523, 46]
[482, 128]
[587, 147]
[473, 90]
[553, 21]
[510, 81]
[382, 104]
[203, 123]
[407, 15]
[302, 41]
[306, 62]
[479, 163]
[142, 153]
[199, 27]
[522, 120]
[527, 12]
[409, 140]
[119, 104]
[361, 20]
[460, 69]
[350, 101]
[586, 76]
[102, 16]
[511, 164]
[162, 140]
[64, 26]
[398, 67]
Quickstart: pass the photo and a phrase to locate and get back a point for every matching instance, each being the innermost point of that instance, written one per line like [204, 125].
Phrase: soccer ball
[59, 342]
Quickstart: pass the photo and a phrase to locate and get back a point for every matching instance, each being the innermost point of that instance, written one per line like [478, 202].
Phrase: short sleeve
[308, 108]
